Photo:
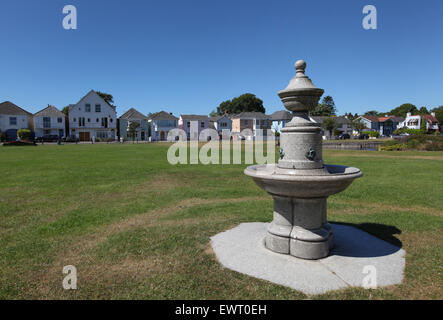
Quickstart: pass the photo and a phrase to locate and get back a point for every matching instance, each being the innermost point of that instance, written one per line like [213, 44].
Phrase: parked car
[344, 136]
[71, 138]
[363, 136]
[48, 138]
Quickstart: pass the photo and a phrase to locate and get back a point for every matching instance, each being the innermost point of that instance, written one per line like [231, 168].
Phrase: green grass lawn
[137, 227]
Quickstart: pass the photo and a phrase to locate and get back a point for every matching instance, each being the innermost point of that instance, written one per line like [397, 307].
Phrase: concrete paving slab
[241, 249]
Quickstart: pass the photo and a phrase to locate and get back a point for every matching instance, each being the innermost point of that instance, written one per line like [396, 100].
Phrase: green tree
[213, 113]
[325, 108]
[247, 102]
[132, 128]
[65, 110]
[423, 110]
[329, 124]
[357, 125]
[372, 113]
[423, 128]
[107, 97]
[439, 114]
[24, 134]
[402, 110]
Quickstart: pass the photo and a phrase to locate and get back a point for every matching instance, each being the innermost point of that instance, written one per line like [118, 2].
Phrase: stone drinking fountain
[301, 183]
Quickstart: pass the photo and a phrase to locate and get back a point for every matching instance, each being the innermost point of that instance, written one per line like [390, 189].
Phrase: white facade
[414, 122]
[92, 117]
[49, 121]
[13, 121]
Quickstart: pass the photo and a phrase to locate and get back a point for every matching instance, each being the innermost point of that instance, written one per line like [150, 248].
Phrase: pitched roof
[430, 118]
[162, 115]
[371, 118]
[250, 115]
[8, 107]
[281, 115]
[133, 114]
[339, 120]
[49, 111]
[383, 119]
[92, 91]
[193, 117]
[218, 118]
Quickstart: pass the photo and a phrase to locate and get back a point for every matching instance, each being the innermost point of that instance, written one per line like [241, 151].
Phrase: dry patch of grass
[76, 252]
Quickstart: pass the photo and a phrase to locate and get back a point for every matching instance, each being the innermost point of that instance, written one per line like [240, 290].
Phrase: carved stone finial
[300, 67]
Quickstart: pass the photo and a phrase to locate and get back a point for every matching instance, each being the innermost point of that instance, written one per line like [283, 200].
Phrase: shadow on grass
[365, 240]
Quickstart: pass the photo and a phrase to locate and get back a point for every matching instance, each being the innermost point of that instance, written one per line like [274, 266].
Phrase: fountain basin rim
[332, 173]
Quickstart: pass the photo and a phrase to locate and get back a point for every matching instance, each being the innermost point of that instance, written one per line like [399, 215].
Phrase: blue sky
[188, 56]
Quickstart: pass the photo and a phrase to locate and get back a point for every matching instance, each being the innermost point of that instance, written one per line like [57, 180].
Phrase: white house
[160, 123]
[49, 121]
[14, 118]
[414, 122]
[92, 117]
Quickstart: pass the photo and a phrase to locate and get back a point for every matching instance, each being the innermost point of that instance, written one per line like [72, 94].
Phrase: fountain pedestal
[300, 183]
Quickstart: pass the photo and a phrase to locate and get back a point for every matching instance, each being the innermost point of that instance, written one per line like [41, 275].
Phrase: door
[162, 136]
[143, 136]
[84, 136]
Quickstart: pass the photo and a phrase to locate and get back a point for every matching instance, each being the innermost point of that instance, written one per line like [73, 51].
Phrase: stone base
[300, 248]
[350, 262]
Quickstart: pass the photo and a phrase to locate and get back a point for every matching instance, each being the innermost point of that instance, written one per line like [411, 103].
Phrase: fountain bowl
[300, 183]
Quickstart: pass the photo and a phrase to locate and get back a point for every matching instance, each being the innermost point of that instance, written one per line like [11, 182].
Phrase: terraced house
[201, 123]
[160, 123]
[252, 121]
[130, 116]
[92, 117]
[49, 121]
[14, 118]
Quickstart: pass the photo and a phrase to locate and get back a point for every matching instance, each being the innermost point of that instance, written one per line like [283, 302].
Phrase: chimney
[408, 115]
[433, 114]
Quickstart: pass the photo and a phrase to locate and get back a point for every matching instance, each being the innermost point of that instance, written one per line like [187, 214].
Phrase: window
[46, 131]
[46, 122]
[89, 119]
[188, 124]
[97, 120]
[102, 134]
[202, 124]
[98, 108]
[246, 123]
[12, 121]
[75, 119]
[111, 120]
[223, 124]
[81, 122]
[59, 120]
[87, 107]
